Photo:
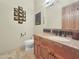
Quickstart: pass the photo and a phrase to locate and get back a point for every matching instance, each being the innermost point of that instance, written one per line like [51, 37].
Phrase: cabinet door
[35, 44]
[37, 51]
[54, 56]
[44, 53]
[37, 47]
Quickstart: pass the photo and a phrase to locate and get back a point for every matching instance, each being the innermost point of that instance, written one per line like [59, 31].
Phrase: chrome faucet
[23, 34]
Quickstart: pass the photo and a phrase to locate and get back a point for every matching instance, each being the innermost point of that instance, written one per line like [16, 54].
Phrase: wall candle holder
[19, 15]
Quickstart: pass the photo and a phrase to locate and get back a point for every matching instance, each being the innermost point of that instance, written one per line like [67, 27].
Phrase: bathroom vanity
[47, 46]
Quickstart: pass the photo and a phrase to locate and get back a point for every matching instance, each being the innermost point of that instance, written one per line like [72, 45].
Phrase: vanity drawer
[70, 52]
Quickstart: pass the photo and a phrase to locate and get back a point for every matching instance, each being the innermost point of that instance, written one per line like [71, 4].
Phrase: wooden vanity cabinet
[47, 49]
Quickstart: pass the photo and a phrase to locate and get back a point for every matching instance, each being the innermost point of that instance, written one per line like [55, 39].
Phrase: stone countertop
[63, 40]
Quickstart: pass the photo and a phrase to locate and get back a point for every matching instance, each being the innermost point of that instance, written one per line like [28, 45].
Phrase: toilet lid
[29, 41]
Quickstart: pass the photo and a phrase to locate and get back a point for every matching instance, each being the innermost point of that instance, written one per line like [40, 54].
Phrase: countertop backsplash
[64, 33]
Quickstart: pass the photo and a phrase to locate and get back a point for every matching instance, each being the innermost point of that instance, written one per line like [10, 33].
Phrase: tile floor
[18, 54]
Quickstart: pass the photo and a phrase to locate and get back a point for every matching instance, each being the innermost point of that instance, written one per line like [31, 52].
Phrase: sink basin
[57, 38]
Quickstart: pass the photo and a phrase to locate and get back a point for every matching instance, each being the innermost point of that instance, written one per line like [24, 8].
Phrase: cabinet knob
[51, 54]
[55, 57]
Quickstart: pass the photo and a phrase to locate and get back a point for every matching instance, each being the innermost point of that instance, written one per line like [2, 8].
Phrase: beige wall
[9, 29]
[52, 16]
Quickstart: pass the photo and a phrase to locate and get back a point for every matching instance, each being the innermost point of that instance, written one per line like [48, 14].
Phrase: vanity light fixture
[19, 15]
[49, 3]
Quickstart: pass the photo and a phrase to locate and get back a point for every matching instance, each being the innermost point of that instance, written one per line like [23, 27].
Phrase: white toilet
[29, 44]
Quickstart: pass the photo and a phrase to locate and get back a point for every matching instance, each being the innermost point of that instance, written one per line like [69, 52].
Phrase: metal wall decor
[19, 15]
